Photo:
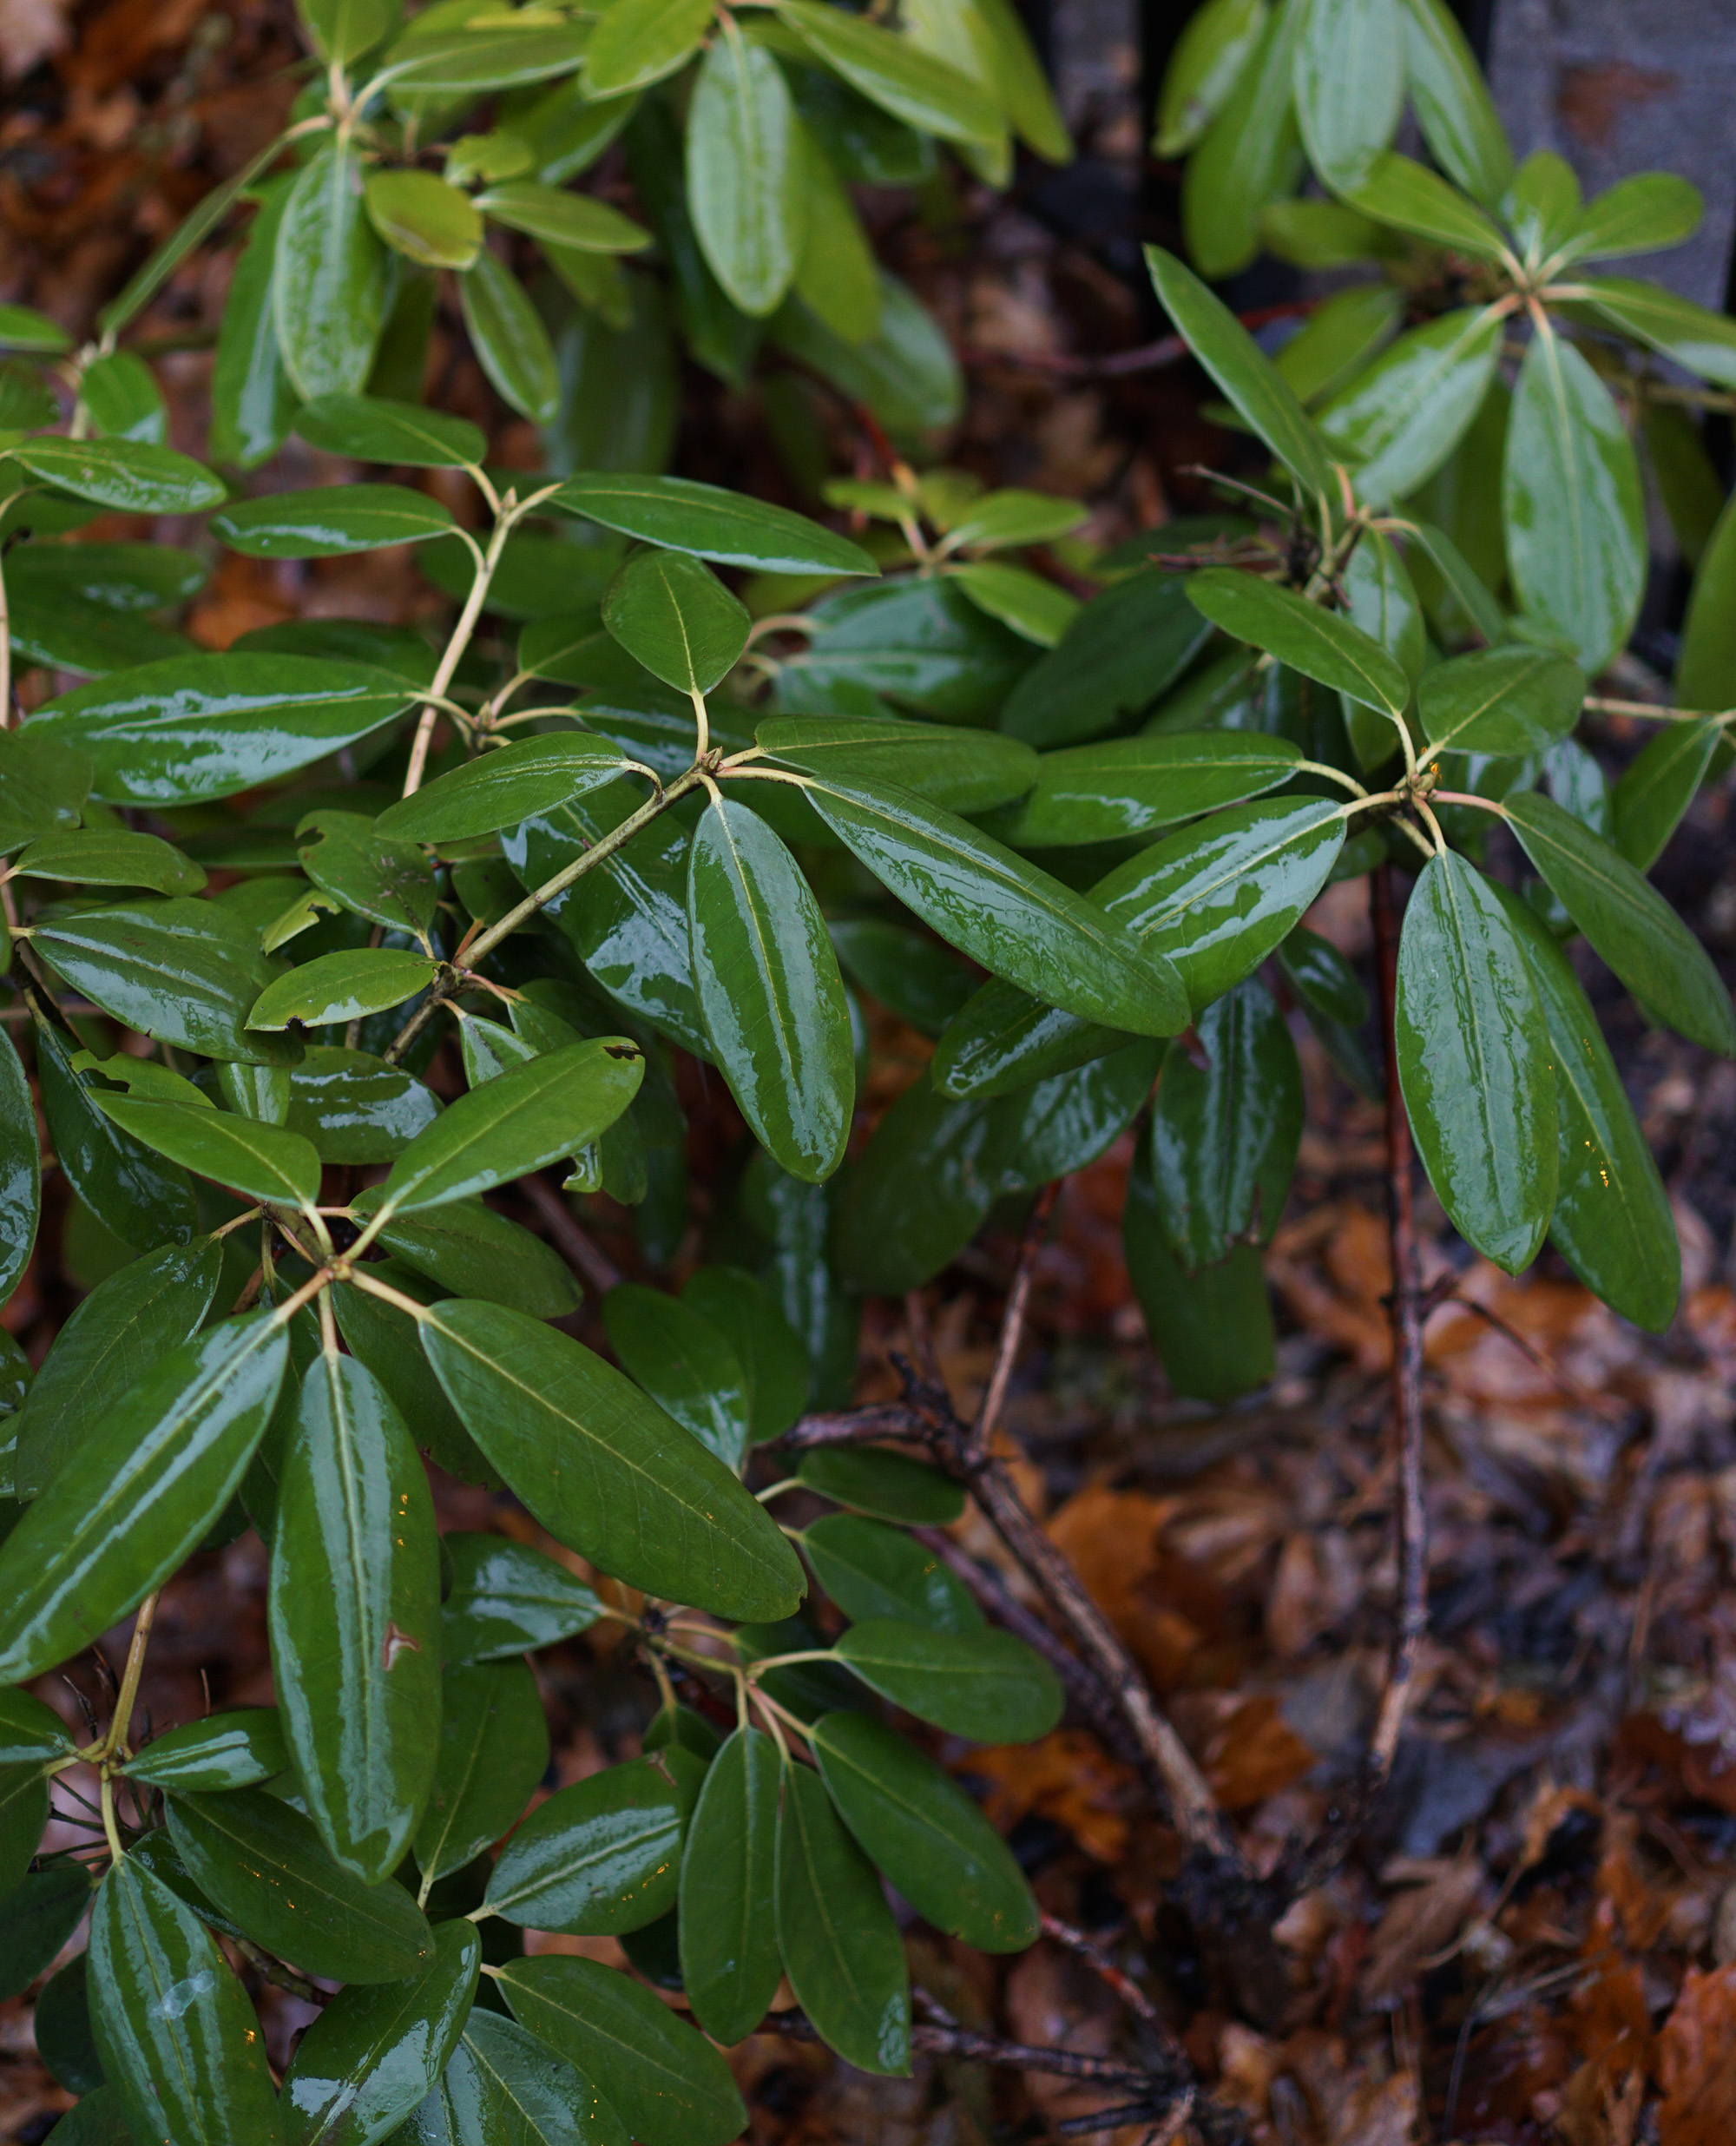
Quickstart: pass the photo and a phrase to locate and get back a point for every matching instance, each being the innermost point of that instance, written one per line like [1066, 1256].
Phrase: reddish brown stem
[1407, 1359]
[574, 1244]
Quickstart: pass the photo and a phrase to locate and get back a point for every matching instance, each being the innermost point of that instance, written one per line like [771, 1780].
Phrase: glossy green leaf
[1350, 85]
[21, 1174]
[1657, 786]
[109, 856]
[372, 428]
[506, 1597]
[674, 615]
[1501, 701]
[470, 1250]
[730, 1960]
[1642, 214]
[521, 1121]
[177, 2037]
[919, 642]
[711, 523]
[1452, 103]
[1612, 1221]
[746, 177]
[916, 1195]
[354, 1610]
[265, 1866]
[1215, 44]
[873, 1570]
[152, 1476]
[1408, 196]
[386, 1339]
[390, 883]
[891, 1486]
[65, 2040]
[372, 2055]
[507, 333]
[1212, 1329]
[895, 73]
[1225, 1136]
[31, 1732]
[1573, 504]
[143, 1200]
[129, 475]
[842, 1951]
[988, 1686]
[1251, 154]
[424, 218]
[502, 2087]
[121, 398]
[603, 1469]
[355, 1107]
[200, 727]
[1323, 978]
[253, 401]
[1474, 1061]
[642, 44]
[1337, 340]
[231, 1750]
[1259, 392]
[458, 62]
[964, 771]
[493, 1751]
[499, 789]
[686, 1365]
[773, 1364]
[1320, 644]
[602, 1855]
[1097, 792]
[1691, 335]
[266, 1162]
[330, 290]
[1397, 421]
[921, 1828]
[990, 903]
[332, 520]
[1627, 922]
[912, 975]
[769, 987]
[905, 372]
[341, 987]
[42, 1910]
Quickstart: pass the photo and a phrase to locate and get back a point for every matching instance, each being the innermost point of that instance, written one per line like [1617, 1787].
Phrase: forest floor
[1536, 1939]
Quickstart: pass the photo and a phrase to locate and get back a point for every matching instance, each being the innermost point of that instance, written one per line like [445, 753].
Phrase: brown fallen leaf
[1416, 1924]
[1696, 2065]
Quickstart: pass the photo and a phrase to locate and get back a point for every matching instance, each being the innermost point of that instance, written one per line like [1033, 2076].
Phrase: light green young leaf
[1408, 196]
[1251, 157]
[635, 46]
[1350, 85]
[712, 523]
[1215, 46]
[1400, 420]
[1454, 107]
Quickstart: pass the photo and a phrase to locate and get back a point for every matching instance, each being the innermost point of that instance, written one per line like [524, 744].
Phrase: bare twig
[1104, 1968]
[576, 1245]
[982, 1438]
[1407, 1364]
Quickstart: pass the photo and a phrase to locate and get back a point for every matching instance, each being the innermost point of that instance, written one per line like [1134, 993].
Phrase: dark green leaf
[1224, 1137]
[925, 1834]
[1320, 974]
[672, 614]
[773, 1364]
[1657, 786]
[265, 1866]
[1251, 154]
[710, 522]
[769, 987]
[893, 72]
[1454, 107]
[1318, 643]
[499, 789]
[386, 1340]
[152, 1477]
[965, 771]
[684, 1363]
[1475, 1062]
[603, 1469]
[892, 1486]
[747, 192]
[518, 1122]
[916, 1195]
[391, 883]
[602, 1855]
[1096, 793]
[355, 1107]
[1214, 1329]
[668, 2085]
[368, 428]
[509, 338]
[873, 1570]
[729, 1957]
[910, 974]
[21, 1174]
[174, 2031]
[330, 289]
[335, 519]
[253, 402]
[233, 1750]
[1501, 701]
[1612, 1219]
[988, 1686]
[1397, 421]
[266, 1162]
[502, 2087]
[1126, 649]
[1260, 393]
[1573, 504]
[200, 727]
[343, 986]
[65, 2041]
[1215, 45]
[470, 1250]
[1036, 609]
[42, 1910]
[374, 2054]
[23, 328]
[23, 1813]
[354, 1608]
[109, 856]
[919, 642]
[1063, 1123]
[129, 475]
[1628, 921]
[506, 1597]
[493, 1751]
[842, 1951]
[144, 1200]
